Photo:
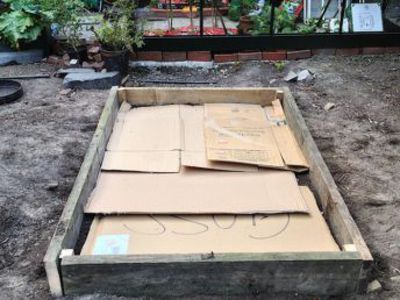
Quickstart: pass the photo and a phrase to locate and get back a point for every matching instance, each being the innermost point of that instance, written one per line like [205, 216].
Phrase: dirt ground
[44, 136]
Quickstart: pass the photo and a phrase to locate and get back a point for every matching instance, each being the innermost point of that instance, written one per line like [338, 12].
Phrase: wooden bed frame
[320, 274]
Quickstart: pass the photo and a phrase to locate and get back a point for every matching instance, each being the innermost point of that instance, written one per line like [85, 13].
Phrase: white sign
[366, 17]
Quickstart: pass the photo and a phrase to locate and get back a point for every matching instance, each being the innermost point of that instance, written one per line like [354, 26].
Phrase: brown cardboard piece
[287, 144]
[148, 129]
[153, 161]
[194, 148]
[145, 139]
[196, 192]
[239, 133]
[145, 234]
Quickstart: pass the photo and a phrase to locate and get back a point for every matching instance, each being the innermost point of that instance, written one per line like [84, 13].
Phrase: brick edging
[257, 55]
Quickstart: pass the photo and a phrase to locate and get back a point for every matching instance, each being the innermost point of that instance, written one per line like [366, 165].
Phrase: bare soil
[44, 136]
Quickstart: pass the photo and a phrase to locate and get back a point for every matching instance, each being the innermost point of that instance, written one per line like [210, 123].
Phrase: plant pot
[245, 25]
[116, 61]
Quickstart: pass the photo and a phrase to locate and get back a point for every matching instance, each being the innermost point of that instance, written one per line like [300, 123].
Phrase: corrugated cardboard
[199, 160]
[153, 161]
[239, 133]
[144, 234]
[194, 149]
[148, 129]
[196, 192]
[145, 139]
[287, 144]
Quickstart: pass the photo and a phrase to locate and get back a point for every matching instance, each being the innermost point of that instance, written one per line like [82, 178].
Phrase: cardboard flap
[196, 192]
[288, 147]
[147, 129]
[194, 149]
[239, 133]
[287, 144]
[186, 234]
[274, 113]
[155, 161]
[199, 160]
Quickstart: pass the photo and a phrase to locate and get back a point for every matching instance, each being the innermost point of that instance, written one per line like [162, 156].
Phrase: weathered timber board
[222, 275]
[68, 228]
[335, 210]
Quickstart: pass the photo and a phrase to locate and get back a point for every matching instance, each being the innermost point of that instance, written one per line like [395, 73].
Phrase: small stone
[291, 76]
[74, 63]
[66, 57]
[305, 75]
[98, 58]
[53, 60]
[65, 92]
[395, 279]
[92, 80]
[329, 106]
[374, 286]
[51, 186]
[94, 50]
[104, 71]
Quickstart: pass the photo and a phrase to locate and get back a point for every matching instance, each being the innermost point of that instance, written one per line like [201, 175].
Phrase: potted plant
[239, 11]
[119, 34]
[67, 26]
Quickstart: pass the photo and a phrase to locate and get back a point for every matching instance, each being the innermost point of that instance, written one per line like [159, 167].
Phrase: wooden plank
[336, 212]
[224, 275]
[68, 228]
[145, 96]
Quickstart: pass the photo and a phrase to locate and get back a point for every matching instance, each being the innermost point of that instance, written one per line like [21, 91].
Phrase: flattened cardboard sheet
[239, 133]
[153, 161]
[147, 129]
[145, 139]
[196, 192]
[194, 149]
[188, 234]
[287, 144]
[199, 160]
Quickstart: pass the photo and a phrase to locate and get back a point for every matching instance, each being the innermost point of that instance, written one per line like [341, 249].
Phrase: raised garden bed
[312, 273]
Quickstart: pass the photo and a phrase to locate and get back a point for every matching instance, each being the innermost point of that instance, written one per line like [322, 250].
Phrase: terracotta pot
[245, 24]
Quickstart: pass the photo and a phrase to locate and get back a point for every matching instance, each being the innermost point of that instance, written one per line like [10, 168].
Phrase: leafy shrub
[22, 22]
[119, 31]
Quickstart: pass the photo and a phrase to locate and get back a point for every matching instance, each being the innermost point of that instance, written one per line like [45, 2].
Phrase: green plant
[238, 8]
[23, 21]
[66, 17]
[154, 3]
[309, 26]
[279, 65]
[119, 31]
[283, 22]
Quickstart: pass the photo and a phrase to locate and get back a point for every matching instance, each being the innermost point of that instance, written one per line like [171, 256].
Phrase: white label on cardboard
[111, 244]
